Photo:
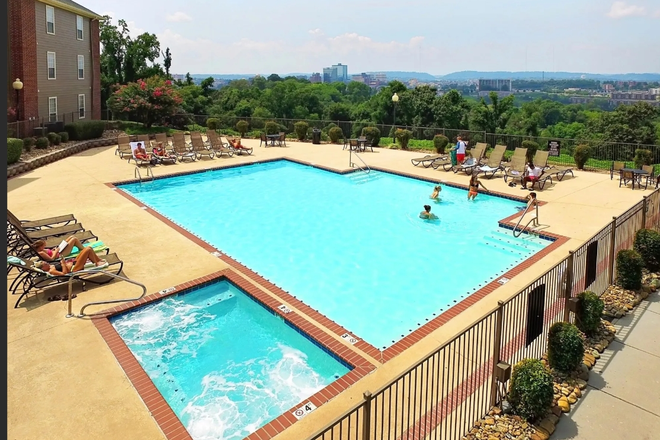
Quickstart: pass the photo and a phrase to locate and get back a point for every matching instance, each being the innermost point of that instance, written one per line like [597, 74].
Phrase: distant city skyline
[599, 36]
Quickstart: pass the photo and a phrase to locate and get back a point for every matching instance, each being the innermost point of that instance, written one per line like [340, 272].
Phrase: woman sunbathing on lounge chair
[161, 154]
[65, 267]
[53, 254]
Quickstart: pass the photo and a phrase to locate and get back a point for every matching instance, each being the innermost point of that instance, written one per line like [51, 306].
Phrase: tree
[147, 101]
[273, 77]
[494, 116]
[452, 111]
[167, 61]
[628, 123]
[338, 112]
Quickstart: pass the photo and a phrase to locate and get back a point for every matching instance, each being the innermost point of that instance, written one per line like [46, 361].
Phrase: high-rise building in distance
[336, 72]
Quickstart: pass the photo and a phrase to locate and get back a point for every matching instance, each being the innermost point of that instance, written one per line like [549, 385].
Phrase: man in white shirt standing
[458, 152]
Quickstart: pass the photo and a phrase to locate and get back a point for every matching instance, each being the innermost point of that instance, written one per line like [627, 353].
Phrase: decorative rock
[581, 384]
[572, 398]
[547, 425]
[556, 410]
[542, 433]
[564, 405]
[489, 421]
[577, 392]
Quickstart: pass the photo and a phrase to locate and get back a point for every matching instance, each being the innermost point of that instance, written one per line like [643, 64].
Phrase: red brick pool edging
[158, 407]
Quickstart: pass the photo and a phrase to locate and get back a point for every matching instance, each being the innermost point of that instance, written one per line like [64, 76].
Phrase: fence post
[568, 287]
[366, 420]
[497, 342]
[644, 207]
[610, 270]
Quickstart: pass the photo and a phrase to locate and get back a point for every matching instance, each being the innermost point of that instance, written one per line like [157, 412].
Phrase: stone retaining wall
[14, 170]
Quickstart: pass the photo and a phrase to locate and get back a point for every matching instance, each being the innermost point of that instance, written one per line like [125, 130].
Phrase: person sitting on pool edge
[435, 195]
[426, 214]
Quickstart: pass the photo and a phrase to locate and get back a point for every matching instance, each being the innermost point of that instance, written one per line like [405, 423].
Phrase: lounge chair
[494, 162]
[198, 146]
[163, 139]
[181, 149]
[139, 161]
[22, 242]
[475, 159]
[124, 147]
[146, 142]
[428, 160]
[42, 233]
[516, 168]
[30, 278]
[28, 225]
[238, 150]
[559, 172]
[216, 144]
[541, 159]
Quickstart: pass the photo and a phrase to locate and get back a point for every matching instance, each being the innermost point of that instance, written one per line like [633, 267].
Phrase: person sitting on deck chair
[141, 153]
[47, 254]
[532, 174]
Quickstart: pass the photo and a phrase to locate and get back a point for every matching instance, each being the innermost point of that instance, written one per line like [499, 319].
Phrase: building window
[52, 109]
[81, 106]
[79, 27]
[50, 20]
[51, 65]
[81, 66]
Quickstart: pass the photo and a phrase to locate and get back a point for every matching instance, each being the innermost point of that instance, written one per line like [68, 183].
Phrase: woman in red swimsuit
[47, 254]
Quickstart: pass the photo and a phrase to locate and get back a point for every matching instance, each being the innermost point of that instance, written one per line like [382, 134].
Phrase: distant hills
[473, 74]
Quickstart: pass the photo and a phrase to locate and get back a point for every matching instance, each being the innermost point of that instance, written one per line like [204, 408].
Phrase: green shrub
[64, 136]
[589, 310]
[372, 134]
[14, 150]
[242, 127]
[301, 128]
[335, 134]
[531, 149]
[54, 139]
[440, 142]
[212, 123]
[581, 155]
[530, 389]
[643, 157]
[42, 143]
[565, 347]
[83, 130]
[272, 127]
[403, 136]
[629, 265]
[647, 244]
[28, 143]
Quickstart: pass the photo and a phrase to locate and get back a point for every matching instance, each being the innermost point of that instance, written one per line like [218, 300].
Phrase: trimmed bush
[643, 157]
[581, 155]
[440, 142]
[28, 143]
[647, 244]
[83, 130]
[242, 127]
[589, 310]
[530, 389]
[629, 265]
[565, 347]
[372, 134]
[42, 143]
[403, 136]
[212, 123]
[301, 128]
[14, 150]
[54, 139]
[272, 127]
[532, 147]
[335, 134]
[64, 136]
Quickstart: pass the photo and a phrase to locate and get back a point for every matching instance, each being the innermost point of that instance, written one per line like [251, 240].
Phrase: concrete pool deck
[63, 380]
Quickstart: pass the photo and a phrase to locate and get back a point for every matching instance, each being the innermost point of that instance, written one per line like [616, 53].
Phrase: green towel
[98, 246]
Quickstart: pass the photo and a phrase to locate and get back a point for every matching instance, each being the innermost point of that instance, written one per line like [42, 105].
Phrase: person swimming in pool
[435, 195]
[427, 214]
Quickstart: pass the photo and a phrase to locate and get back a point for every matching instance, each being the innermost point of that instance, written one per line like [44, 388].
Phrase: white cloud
[178, 17]
[657, 14]
[623, 9]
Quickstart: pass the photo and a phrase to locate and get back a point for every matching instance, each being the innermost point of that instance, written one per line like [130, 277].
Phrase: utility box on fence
[316, 136]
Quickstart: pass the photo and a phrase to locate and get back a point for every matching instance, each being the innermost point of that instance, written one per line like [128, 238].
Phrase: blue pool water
[350, 246]
[225, 365]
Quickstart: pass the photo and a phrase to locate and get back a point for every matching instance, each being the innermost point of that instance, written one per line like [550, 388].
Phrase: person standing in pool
[473, 186]
[435, 195]
[427, 214]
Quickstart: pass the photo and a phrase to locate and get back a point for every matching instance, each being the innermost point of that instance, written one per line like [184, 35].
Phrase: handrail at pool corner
[520, 219]
[112, 301]
[352, 164]
[138, 175]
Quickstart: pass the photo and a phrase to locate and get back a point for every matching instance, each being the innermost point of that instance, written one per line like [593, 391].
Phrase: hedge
[83, 130]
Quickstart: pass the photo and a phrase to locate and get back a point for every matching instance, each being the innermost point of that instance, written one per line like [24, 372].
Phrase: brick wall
[22, 55]
[96, 70]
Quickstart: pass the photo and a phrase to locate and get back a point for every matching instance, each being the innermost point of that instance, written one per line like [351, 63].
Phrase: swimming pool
[350, 246]
[225, 364]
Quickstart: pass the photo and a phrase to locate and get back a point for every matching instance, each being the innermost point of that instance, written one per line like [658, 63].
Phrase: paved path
[623, 396]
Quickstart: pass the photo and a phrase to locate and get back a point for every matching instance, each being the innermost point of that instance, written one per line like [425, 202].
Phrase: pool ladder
[138, 175]
[536, 206]
[352, 164]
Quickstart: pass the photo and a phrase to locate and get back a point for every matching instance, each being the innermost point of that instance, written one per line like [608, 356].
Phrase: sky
[433, 36]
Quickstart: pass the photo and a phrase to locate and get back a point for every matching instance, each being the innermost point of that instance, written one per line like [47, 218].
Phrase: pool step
[508, 244]
[526, 241]
[359, 177]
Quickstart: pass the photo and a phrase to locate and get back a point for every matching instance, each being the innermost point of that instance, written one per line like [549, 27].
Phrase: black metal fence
[41, 126]
[443, 395]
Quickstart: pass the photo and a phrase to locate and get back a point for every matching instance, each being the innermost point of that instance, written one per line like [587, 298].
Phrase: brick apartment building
[53, 47]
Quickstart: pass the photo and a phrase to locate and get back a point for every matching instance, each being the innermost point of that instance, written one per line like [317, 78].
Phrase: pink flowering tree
[148, 101]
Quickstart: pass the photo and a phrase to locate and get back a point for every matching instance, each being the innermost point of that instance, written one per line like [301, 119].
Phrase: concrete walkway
[622, 400]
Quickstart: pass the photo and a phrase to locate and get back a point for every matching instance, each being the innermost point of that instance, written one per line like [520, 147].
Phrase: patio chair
[282, 140]
[541, 159]
[216, 144]
[124, 146]
[650, 177]
[494, 162]
[31, 278]
[180, 147]
[242, 149]
[475, 159]
[28, 225]
[616, 167]
[626, 177]
[364, 144]
[263, 139]
[198, 146]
